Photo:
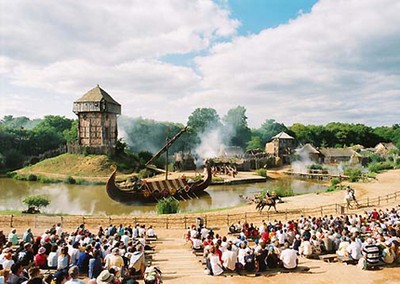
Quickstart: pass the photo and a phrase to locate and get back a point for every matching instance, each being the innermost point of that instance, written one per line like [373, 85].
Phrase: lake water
[78, 199]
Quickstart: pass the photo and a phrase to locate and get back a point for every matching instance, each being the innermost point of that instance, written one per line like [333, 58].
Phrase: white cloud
[340, 62]
[306, 70]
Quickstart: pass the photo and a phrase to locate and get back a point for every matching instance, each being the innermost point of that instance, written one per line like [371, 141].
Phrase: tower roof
[96, 95]
[282, 135]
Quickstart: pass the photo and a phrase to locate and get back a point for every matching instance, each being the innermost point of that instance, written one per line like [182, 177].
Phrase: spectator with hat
[41, 258]
[114, 259]
[105, 277]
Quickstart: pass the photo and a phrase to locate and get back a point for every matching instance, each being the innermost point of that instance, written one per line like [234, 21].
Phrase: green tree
[254, 143]
[235, 121]
[269, 129]
[35, 202]
[71, 134]
[201, 121]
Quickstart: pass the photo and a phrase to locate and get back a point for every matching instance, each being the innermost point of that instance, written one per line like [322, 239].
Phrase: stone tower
[97, 113]
[281, 146]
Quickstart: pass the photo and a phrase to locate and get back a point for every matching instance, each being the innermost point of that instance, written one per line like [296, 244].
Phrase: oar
[195, 195]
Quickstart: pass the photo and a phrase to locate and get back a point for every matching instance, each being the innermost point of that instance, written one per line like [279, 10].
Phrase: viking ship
[151, 191]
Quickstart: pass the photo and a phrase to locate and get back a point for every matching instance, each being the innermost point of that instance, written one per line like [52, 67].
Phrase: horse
[269, 200]
[350, 197]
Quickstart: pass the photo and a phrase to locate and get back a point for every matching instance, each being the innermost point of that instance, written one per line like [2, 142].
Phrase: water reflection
[76, 199]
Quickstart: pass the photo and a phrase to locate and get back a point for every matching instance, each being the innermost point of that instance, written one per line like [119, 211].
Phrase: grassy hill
[91, 168]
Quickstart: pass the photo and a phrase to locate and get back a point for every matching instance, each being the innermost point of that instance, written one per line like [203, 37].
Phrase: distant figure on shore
[351, 197]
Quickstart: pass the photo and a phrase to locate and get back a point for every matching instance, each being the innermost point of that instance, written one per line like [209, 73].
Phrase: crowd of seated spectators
[369, 239]
[115, 254]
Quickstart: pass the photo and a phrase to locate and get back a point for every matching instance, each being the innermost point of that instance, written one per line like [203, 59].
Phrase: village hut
[383, 149]
[337, 155]
[308, 152]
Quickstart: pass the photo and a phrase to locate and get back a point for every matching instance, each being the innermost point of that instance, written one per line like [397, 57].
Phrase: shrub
[262, 172]
[380, 166]
[32, 177]
[168, 205]
[48, 180]
[70, 180]
[36, 201]
[353, 173]
[330, 189]
[315, 167]
[335, 181]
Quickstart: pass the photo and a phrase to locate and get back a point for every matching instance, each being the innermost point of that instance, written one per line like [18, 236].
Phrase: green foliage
[374, 158]
[203, 119]
[269, 129]
[254, 143]
[335, 184]
[167, 206]
[144, 173]
[217, 179]
[315, 167]
[32, 177]
[13, 158]
[335, 181]
[377, 167]
[331, 188]
[43, 179]
[36, 201]
[235, 123]
[262, 172]
[354, 174]
[146, 135]
[71, 134]
[70, 180]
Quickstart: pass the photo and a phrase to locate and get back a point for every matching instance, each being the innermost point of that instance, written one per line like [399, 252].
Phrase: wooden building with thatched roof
[97, 128]
[309, 152]
[383, 149]
[337, 155]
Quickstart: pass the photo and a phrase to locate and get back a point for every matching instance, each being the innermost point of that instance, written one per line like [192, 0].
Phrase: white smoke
[302, 164]
[212, 140]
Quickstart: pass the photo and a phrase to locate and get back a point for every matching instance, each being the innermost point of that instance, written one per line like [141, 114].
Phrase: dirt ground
[320, 272]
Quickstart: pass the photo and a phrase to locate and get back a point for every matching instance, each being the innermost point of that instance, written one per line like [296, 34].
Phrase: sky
[295, 61]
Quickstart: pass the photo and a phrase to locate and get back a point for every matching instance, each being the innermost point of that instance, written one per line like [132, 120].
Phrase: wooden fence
[182, 221]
